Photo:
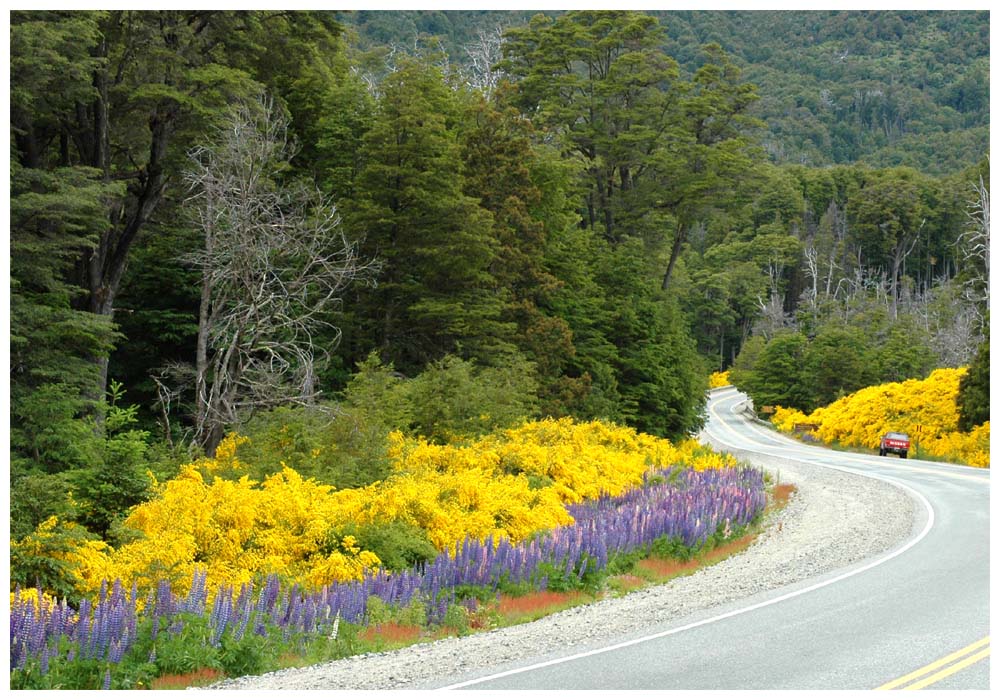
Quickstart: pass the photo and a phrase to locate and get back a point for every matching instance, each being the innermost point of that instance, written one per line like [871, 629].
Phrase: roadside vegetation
[924, 409]
[604, 535]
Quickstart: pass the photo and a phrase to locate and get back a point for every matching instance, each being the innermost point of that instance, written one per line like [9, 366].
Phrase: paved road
[915, 617]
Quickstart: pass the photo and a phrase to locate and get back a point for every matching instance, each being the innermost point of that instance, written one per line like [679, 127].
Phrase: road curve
[915, 617]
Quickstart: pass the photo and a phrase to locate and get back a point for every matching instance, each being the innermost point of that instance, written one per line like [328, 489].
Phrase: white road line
[787, 596]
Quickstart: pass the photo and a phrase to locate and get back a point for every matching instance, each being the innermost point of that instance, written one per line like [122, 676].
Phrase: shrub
[453, 399]
[718, 379]
[925, 409]
[398, 545]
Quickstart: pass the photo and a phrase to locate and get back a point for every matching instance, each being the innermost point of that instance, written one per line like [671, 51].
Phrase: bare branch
[974, 244]
[274, 262]
[484, 55]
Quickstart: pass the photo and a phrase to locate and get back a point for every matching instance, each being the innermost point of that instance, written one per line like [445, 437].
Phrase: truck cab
[896, 443]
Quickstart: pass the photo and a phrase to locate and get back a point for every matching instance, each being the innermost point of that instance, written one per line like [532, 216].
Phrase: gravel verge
[833, 520]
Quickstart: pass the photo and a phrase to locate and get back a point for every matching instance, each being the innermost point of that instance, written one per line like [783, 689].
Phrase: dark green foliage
[415, 216]
[904, 354]
[397, 544]
[34, 497]
[837, 362]
[454, 398]
[158, 316]
[54, 216]
[45, 561]
[344, 444]
[974, 391]
[660, 378]
[778, 376]
[98, 476]
[344, 447]
[118, 480]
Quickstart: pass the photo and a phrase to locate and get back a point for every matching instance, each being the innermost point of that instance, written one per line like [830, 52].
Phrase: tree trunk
[201, 359]
[675, 253]
[104, 266]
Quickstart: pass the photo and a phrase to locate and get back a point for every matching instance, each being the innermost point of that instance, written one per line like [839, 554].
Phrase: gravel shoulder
[834, 519]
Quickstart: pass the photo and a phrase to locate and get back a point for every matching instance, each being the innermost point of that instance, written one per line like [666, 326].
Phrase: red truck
[897, 443]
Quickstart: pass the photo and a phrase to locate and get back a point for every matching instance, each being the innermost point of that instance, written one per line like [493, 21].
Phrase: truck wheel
[902, 454]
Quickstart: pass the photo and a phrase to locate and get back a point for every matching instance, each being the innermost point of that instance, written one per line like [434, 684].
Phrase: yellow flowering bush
[452, 492]
[718, 379]
[235, 529]
[510, 484]
[925, 409]
[971, 448]
[30, 596]
[786, 418]
[66, 542]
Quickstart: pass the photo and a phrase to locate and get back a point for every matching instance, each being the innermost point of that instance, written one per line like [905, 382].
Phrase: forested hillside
[883, 87]
[317, 228]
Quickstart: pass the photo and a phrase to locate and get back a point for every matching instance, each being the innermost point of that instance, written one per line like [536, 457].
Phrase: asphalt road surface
[915, 617]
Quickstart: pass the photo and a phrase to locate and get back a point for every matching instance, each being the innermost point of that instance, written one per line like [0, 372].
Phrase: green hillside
[882, 87]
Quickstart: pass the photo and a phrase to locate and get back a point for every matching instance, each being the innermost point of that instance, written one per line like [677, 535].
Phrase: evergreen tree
[436, 293]
[53, 217]
[778, 377]
[601, 81]
[499, 159]
[974, 391]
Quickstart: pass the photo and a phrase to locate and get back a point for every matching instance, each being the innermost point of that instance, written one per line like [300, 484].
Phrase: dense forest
[302, 224]
[885, 88]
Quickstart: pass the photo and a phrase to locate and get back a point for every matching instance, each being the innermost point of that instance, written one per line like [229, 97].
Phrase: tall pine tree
[435, 294]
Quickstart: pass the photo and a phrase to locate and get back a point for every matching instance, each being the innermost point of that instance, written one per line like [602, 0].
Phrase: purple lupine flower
[117, 651]
[682, 504]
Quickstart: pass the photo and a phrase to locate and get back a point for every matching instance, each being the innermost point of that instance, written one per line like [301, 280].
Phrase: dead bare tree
[904, 245]
[484, 54]
[974, 245]
[273, 263]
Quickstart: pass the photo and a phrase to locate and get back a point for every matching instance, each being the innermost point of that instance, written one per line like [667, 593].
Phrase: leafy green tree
[711, 312]
[501, 167]
[52, 217]
[434, 243]
[905, 353]
[150, 78]
[889, 215]
[454, 398]
[835, 363]
[659, 376]
[119, 480]
[741, 373]
[779, 197]
[707, 151]
[600, 80]
[778, 377]
[347, 112]
[45, 562]
[974, 391]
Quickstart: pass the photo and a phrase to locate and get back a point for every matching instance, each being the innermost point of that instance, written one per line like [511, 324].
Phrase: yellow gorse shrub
[509, 484]
[718, 379]
[925, 409]
[786, 418]
[453, 492]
